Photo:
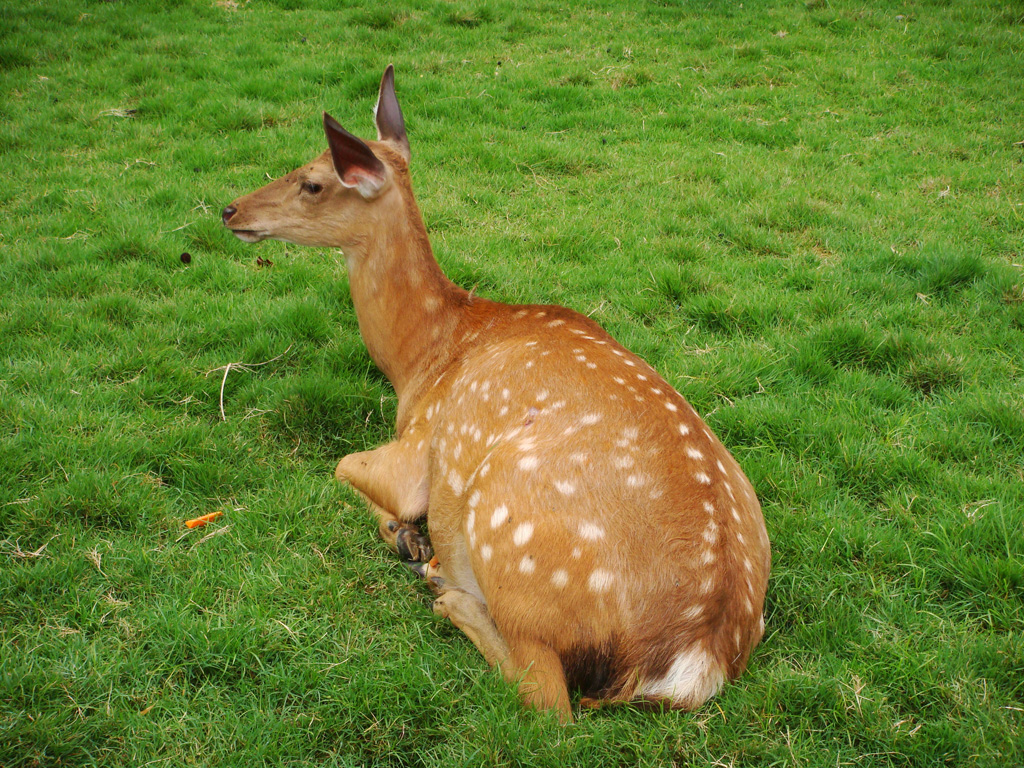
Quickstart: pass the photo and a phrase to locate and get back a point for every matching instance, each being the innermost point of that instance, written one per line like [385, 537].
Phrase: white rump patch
[694, 677]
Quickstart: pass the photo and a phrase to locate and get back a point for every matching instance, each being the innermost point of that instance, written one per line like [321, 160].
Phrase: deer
[588, 532]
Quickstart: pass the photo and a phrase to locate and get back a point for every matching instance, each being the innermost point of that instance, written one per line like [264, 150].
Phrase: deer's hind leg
[394, 480]
[536, 667]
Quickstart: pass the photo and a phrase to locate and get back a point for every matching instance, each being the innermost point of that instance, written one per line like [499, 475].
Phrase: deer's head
[335, 200]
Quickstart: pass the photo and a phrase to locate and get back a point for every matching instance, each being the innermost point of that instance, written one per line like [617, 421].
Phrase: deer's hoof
[413, 545]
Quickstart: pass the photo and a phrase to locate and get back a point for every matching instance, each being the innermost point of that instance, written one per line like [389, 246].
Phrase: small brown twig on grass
[243, 366]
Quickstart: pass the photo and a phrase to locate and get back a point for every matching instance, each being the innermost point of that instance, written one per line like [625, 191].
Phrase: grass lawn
[808, 216]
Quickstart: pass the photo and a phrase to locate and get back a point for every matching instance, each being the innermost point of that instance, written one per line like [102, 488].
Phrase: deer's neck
[407, 309]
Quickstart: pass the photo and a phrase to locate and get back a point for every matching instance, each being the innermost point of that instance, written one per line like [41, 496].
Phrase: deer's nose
[227, 214]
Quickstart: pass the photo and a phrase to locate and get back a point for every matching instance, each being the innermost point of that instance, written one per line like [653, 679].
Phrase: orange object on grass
[201, 521]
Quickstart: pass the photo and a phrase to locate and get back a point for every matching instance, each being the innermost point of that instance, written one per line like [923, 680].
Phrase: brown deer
[590, 532]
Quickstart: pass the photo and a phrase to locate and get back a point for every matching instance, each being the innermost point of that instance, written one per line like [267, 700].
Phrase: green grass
[808, 216]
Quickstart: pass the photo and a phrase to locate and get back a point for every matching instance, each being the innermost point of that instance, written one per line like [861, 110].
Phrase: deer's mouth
[250, 235]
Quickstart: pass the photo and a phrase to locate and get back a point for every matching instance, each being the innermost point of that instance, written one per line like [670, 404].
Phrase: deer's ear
[390, 124]
[354, 162]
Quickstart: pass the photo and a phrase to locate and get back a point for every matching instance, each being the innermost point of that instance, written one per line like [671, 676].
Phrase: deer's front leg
[393, 478]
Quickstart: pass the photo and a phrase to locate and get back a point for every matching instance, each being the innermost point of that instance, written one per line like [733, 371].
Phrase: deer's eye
[312, 187]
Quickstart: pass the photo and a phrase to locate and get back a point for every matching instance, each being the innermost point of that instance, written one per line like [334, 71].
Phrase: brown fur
[592, 533]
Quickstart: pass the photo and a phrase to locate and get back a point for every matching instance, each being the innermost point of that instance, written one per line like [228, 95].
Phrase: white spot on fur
[565, 487]
[601, 580]
[527, 565]
[693, 612]
[591, 531]
[500, 516]
[671, 406]
[709, 507]
[635, 481]
[522, 534]
[710, 534]
[528, 463]
[695, 454]
[556, 323]
[560, 578]
[486, 551]
[505, 394]
[623, 462]
[684, 430]
[542, 395]
[578, 458]
[590, 419]
[456, 482]
[577, 553]
[702, 477]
